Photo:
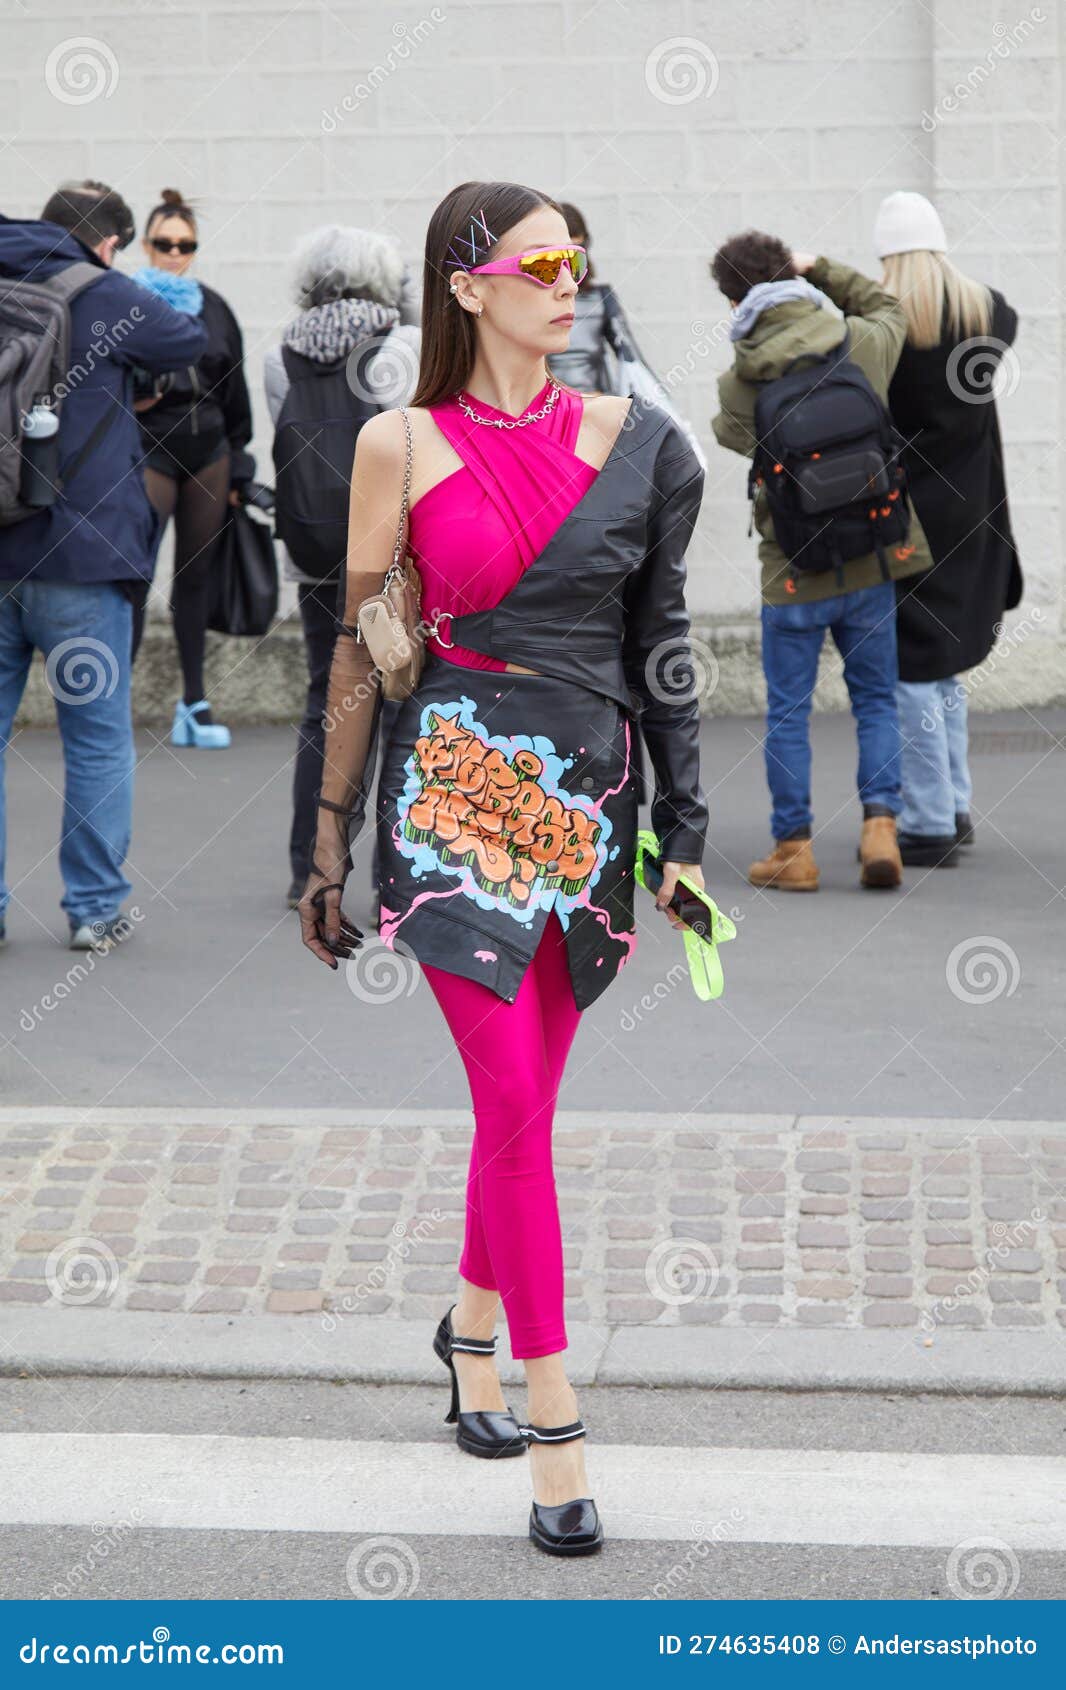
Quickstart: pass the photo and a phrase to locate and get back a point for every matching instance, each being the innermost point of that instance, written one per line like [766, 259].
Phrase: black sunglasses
[161, 244]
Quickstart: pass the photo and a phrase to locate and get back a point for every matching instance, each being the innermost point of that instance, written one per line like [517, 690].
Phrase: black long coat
[941, 402]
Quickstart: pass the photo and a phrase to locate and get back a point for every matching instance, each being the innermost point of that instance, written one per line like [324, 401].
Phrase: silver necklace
[515, 422]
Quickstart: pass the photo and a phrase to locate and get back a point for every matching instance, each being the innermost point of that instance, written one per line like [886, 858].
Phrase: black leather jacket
[603, 606]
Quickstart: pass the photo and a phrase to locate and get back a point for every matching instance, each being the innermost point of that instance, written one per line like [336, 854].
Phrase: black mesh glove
[353, 712]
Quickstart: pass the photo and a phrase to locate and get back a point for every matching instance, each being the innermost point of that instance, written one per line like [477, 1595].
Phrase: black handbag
[246, 576]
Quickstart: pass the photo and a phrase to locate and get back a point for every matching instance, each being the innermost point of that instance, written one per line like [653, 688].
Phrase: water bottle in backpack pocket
[40, 455]
[829, 459]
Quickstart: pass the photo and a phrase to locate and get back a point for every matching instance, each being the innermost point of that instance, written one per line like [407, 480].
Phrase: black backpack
[830, 460]
[314, 448]
[35, 375]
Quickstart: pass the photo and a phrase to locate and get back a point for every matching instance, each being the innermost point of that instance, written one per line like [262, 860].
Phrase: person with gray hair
[351, 350]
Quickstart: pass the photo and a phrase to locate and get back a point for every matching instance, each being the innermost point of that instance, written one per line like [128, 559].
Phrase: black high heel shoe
[564, 1528]
[480, 1431]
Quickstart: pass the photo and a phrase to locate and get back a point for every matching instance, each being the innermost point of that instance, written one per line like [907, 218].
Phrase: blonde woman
[942, 400]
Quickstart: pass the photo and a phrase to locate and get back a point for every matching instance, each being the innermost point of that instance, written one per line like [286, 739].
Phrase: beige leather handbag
[390, 622]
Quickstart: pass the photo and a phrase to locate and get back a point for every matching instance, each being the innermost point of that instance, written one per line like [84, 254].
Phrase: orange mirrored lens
[545, 266]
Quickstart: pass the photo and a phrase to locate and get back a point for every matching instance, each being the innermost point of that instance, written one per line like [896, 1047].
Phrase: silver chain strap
[398, 546]
[517, 422]
[395, 567]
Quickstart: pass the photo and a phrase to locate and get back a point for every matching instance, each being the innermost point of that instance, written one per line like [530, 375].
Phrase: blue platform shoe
[187, 730]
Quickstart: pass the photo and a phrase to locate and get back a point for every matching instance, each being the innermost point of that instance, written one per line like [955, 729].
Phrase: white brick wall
[816, 111]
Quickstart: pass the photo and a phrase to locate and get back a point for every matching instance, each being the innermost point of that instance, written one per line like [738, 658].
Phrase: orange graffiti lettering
[492, 814]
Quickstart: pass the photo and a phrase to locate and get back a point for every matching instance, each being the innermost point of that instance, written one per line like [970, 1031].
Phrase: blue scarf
[184, 293]
[764, 295]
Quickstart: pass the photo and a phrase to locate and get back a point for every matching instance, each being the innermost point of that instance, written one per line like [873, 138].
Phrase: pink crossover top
[474, 533]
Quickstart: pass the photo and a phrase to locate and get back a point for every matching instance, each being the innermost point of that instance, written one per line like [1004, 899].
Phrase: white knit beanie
[908, 222]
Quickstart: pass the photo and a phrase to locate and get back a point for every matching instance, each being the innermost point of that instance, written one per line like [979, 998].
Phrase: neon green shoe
[702, 936]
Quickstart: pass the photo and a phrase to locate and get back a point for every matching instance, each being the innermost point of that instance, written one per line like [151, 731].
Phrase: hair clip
[476, 223]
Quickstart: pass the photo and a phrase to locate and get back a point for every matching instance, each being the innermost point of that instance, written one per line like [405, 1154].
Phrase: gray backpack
[35, 376]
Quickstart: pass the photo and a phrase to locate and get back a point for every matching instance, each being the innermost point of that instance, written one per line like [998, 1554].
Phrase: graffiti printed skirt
[502, 797]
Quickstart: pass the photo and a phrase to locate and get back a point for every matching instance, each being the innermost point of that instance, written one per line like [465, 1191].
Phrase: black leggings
[197, 501]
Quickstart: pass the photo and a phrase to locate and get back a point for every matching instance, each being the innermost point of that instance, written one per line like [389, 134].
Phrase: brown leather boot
[882, 864]
[790, 867]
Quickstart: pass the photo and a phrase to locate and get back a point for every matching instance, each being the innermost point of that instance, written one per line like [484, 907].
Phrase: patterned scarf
[329, 331]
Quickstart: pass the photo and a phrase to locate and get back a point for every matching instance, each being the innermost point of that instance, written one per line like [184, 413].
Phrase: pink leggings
[514, 1055]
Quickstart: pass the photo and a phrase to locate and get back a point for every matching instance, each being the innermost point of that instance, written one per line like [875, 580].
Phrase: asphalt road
[127, 1489]
[942, 999]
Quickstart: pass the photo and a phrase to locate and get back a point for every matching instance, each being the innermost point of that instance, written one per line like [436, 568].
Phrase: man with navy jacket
[69, 573]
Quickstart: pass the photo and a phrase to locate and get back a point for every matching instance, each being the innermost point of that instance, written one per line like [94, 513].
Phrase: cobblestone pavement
[876, 1223]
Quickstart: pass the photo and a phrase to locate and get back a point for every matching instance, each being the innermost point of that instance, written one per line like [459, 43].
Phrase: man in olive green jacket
[779, 315]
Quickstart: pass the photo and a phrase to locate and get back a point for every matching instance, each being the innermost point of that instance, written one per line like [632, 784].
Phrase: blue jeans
[83, 632]
[936, 771]
[863, 626]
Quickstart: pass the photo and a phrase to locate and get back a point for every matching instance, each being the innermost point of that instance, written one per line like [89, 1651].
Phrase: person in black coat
[195, 429]
[943, 401]
[359, 310]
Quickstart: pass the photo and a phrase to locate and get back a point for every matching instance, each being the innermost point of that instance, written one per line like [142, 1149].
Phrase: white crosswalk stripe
[856, 1497]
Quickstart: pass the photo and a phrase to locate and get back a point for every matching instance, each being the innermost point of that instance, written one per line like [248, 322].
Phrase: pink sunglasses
[541, 264]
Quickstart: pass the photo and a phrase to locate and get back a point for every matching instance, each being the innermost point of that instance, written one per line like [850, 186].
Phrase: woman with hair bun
[195, 435]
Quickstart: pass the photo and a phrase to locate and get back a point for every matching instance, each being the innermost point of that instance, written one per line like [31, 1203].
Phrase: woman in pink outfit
[549, 529]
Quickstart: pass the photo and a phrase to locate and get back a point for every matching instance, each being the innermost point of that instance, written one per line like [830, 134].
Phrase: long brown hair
[449, 338]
